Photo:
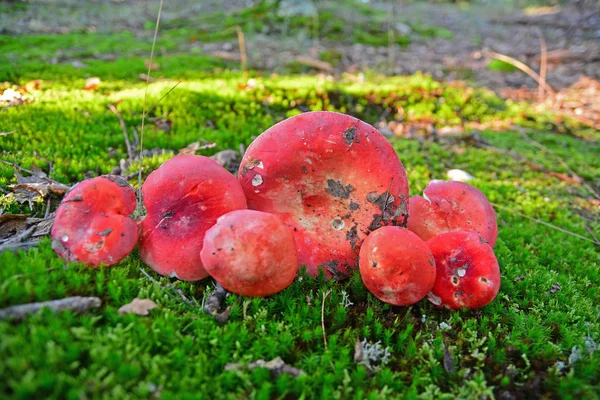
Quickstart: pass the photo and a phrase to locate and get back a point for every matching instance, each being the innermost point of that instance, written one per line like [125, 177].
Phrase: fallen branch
[539, 221]
[525, 68]
[560, 160]
[531, 164]
[76, 304]
[226, 55]
[313, 62]
[7, 133]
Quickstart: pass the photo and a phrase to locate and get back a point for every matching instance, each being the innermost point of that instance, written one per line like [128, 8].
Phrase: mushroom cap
[396, 266]
[183, 198]
[92, 223]
[468, 274]
[330, 177]
[251, 253]
[452, 207]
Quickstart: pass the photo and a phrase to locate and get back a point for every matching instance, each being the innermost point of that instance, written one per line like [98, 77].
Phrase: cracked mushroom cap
[396, 266]
[452, 207]
[183, 199]
[92, 223]
[468, 274]
[330, 177]
[251, 253]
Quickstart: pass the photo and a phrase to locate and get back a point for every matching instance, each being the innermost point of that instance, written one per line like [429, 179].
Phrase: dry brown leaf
[33, 85]
[151, 65]
[164, 124]
[92, 83]
[37, 186]
[138, 307]
[12, 224]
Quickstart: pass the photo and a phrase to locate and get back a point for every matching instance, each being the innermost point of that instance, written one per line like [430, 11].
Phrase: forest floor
[426, 78]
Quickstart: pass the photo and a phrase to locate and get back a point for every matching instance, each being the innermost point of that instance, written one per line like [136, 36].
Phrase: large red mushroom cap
[332, 178]
[92, 223]
[468, 274]
[452, 207]
[183, 198]
[396, 266]
[251, 253]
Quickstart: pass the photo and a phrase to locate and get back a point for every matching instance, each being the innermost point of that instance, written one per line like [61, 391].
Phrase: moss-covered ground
[532, 341]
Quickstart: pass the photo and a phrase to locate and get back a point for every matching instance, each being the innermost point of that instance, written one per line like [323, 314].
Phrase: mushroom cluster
[321, 189]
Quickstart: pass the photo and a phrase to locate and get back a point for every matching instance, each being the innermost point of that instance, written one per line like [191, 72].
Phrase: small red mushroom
[396, 266]
[468, 274]
[183, 198]
[330, 177]
[92, 223]
[251, 253]
[452, 207]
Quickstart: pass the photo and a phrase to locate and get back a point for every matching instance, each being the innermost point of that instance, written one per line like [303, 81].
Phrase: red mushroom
[92, 223]
[183, 198]
[251, 253]
[396, 266]
[452, 207]
[333, 179]
[468, 274]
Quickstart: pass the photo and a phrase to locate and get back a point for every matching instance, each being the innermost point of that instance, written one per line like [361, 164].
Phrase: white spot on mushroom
[435, 300]
[426, 198]
[308, 160]
[260, 165]
[338, 224]
[257, 180]
[64, 238]
[461, 272]
[173, 274]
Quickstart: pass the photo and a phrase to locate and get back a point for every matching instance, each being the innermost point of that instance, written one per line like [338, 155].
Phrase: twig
[560, 160]
[76, 304]
[182, 295]
[523, 67]
[7, 133]
[391, 54]
[124, 128]
[50, 165]
[543, 63]
[242, 46]
[312, 62]
[315, 35]
[14, 246]
[48, 206]
[531, 164]
[159, 100]
[323, 318]
[591, 232]
[146, 97]
[539, 221]
[156, 283]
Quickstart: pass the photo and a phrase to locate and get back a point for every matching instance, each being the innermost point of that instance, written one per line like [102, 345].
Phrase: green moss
[179, 352]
